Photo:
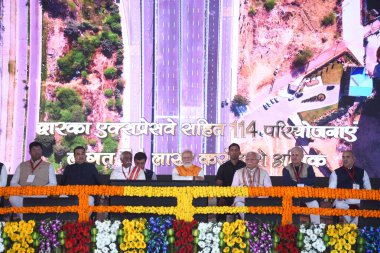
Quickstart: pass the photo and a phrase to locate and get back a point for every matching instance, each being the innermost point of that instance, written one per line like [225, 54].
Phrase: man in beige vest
[34, 172]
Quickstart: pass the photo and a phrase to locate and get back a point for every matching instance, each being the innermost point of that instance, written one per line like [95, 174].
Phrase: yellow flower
[230, 243]
[226, 249]
[347, 246]
[338, 246]
[123, 246]
[351, 240]
[242, 245]
[16, 246]
[332, 241]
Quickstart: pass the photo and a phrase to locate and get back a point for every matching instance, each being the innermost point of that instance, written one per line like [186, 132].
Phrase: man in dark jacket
[301, 174]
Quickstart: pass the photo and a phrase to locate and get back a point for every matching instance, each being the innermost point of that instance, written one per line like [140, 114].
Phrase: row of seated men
[232, 173]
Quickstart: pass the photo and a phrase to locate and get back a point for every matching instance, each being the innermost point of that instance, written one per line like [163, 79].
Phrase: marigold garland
[184, 209]
[20, 233]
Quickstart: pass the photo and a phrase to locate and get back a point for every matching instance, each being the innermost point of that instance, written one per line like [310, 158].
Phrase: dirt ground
[271, 39]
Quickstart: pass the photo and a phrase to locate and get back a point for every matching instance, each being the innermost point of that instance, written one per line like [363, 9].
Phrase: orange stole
[190, 171]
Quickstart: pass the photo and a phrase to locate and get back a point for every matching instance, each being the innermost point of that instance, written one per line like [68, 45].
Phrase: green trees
[47, 141]
[328, 20]
[68, 107]
[73, 114]
[111, 103]
[108, 93]
[112, 19]
[88, 45]
[59, 152]
[73, 141]
[116, 28]
[269, 4]
[67, 97]
[302, 57]
[84, 74]
[252, 11]
[110, 72]
[109, 144]
[55, 8]
[110, 42]
[72, 30]
[72, 62]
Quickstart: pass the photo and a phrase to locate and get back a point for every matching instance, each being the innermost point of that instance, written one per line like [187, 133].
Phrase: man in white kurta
[125, 171]
[251, 175]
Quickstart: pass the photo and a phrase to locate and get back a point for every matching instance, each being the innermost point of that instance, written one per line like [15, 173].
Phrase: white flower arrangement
[313, 238]
[2, 224]
[209, 237]
[106, 236]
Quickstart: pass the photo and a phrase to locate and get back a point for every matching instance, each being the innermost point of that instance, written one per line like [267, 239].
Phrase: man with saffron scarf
[251, 175]
[126, 171]
[301, 174]
[187, 171]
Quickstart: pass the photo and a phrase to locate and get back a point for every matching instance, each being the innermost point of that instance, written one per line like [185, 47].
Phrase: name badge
[300, 185]
[30, 178]
[355, 186]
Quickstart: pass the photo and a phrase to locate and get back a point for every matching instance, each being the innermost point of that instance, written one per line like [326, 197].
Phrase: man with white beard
[187, 171]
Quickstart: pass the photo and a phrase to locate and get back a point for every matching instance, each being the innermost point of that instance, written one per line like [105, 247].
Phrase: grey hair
[258, 156]
[125, 152]
[298, 149]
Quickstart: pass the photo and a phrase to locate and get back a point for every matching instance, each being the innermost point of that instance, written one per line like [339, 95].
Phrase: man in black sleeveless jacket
[349, 176]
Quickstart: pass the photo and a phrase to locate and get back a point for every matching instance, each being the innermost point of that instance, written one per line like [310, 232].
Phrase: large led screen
[163, 76]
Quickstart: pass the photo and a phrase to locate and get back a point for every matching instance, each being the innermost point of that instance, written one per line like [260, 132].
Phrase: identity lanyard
[351, 175]
[297, 174]
[35, 167]
[253, 179]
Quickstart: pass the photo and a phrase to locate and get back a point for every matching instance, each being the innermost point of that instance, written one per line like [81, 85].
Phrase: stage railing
[185, 195]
